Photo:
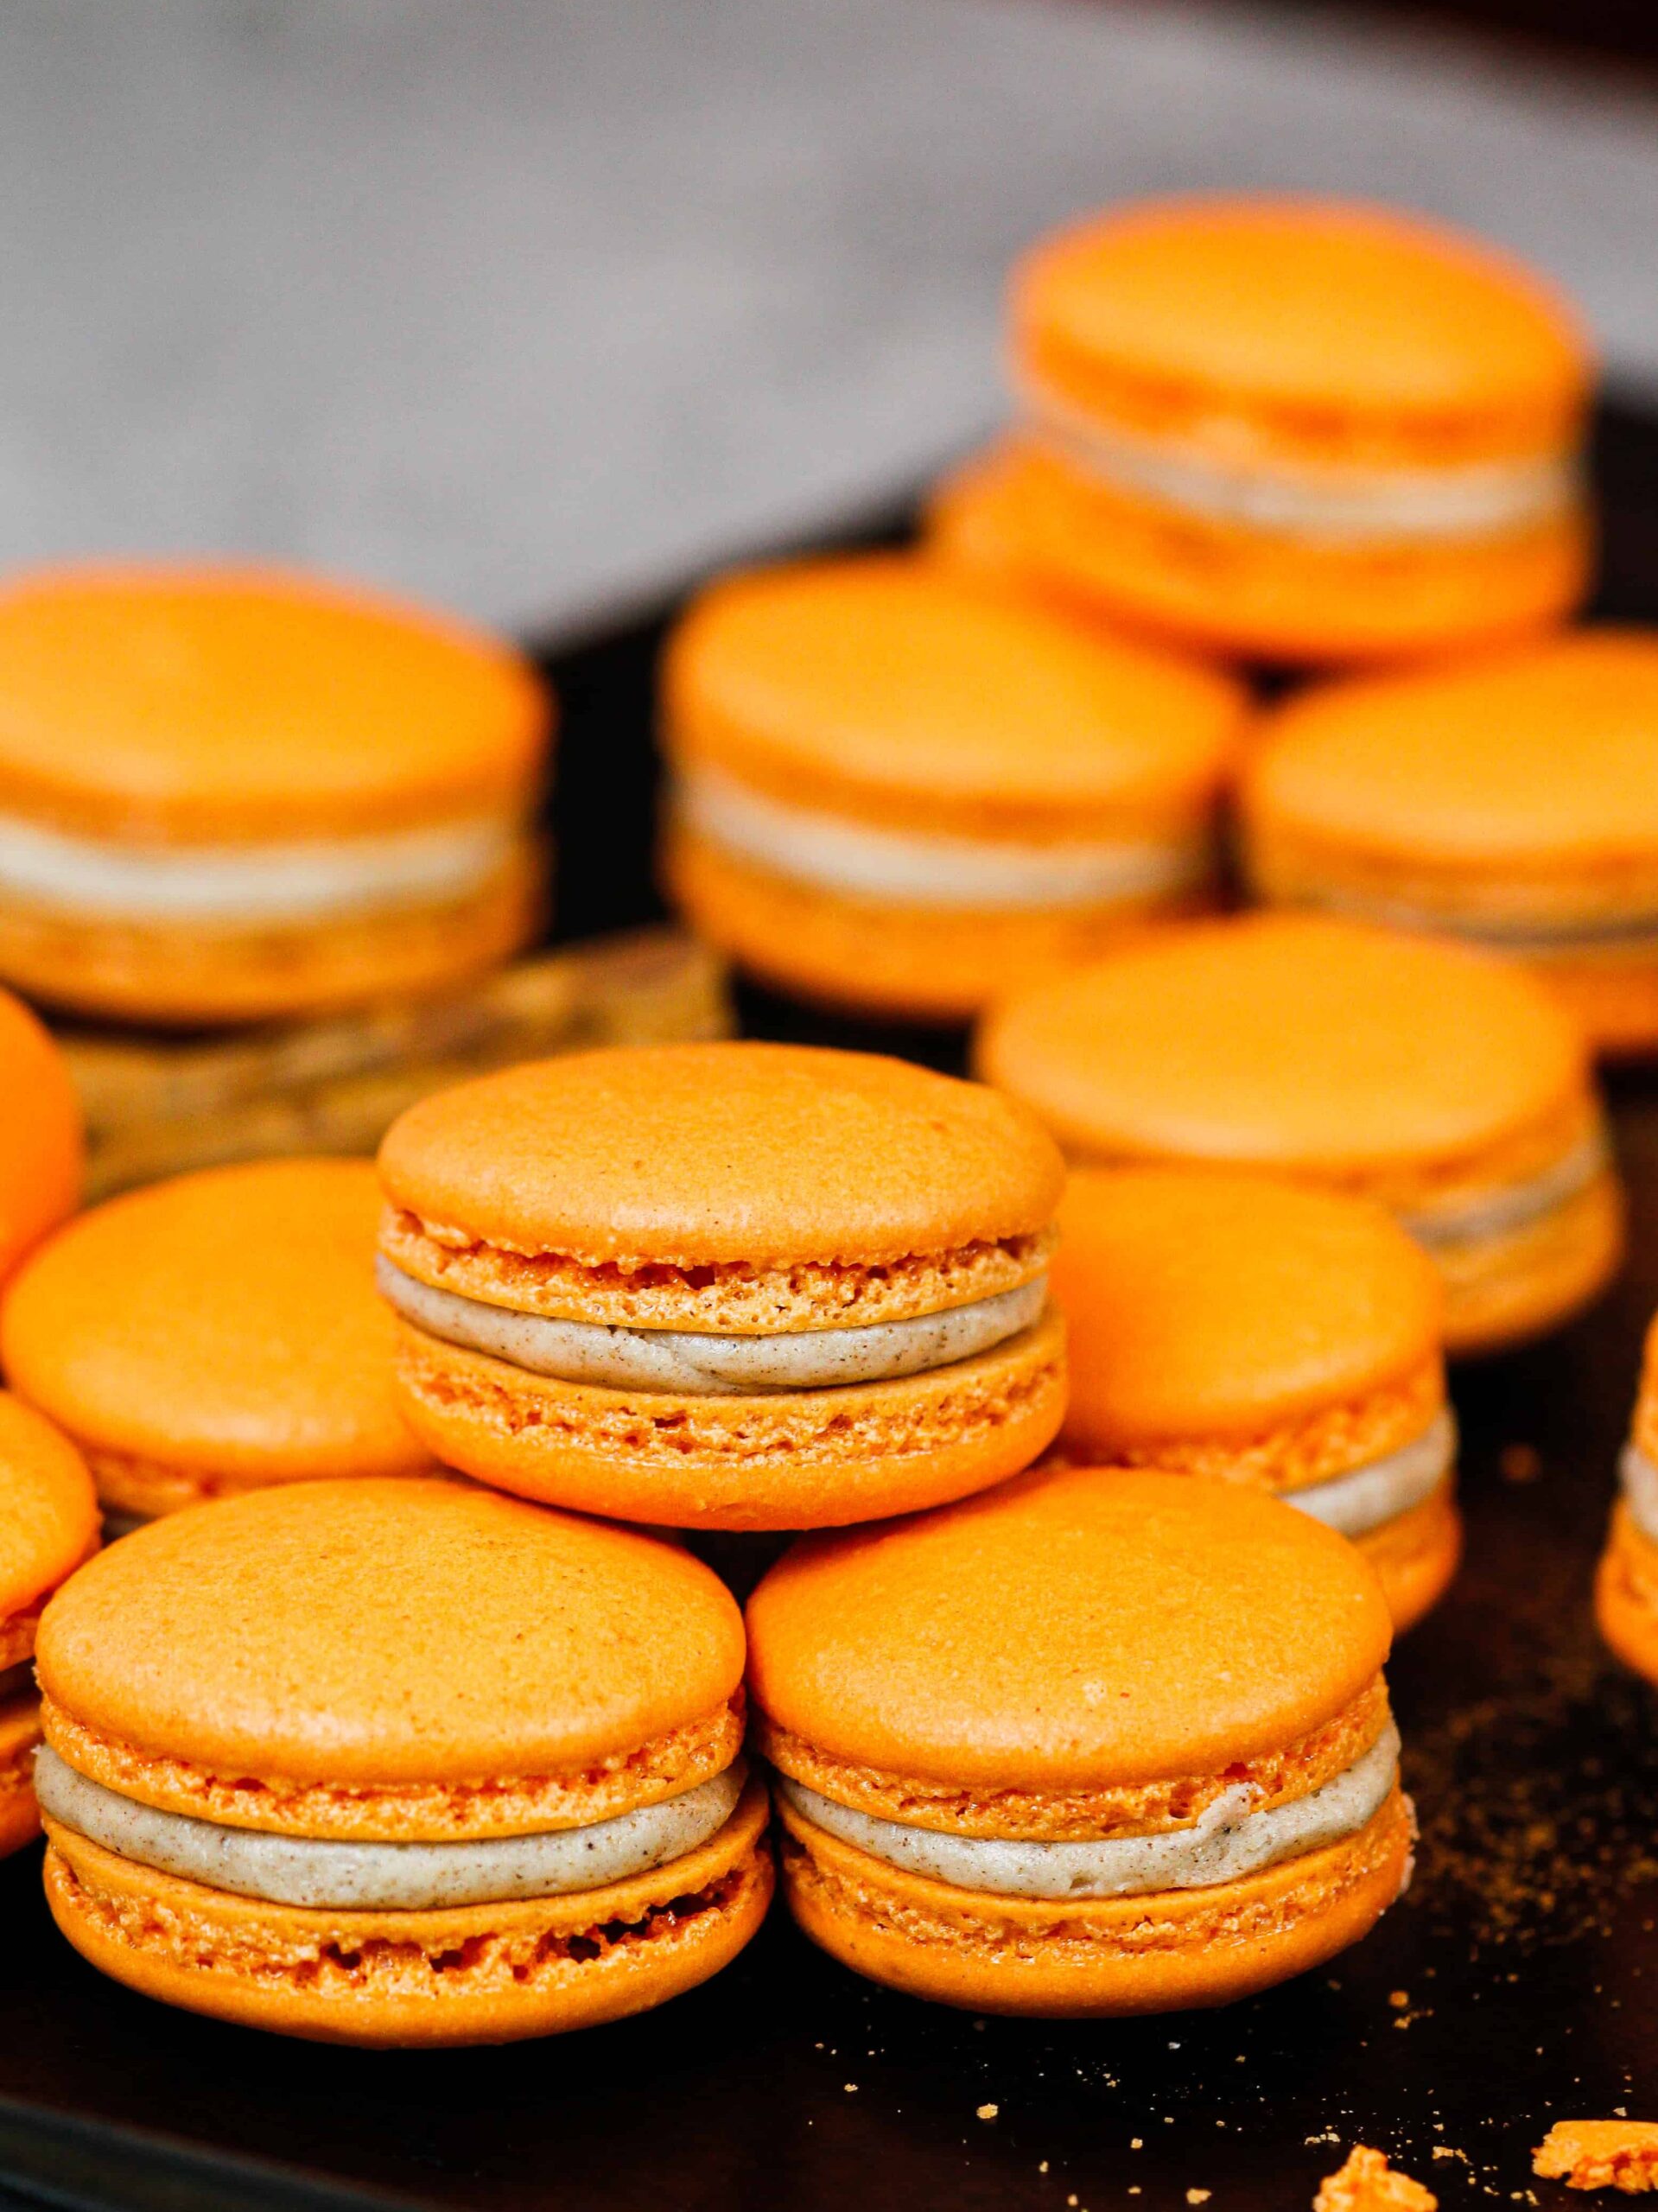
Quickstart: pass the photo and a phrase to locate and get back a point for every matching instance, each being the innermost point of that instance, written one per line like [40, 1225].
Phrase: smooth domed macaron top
[41, 1146]
[1288, 1041]
[1200, 1303]
[890, 678]
[225, 1322]
[389, 1632]
[1291, 303]
[252, 704]
[1071, 1629]
[1547, 755]
[710, 1153]
[48, 1510]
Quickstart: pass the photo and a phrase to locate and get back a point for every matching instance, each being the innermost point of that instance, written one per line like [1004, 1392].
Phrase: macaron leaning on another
[399, 1762]
[1626, 1587]
[231, 794]
[1433, 1077]
[48, 1526]
[215, 1333]
[899, 790]
[1511, 799]
[1098, 1742]
[43, 1148]
[1287, 1338]
[1300, 430]
[728, 1286]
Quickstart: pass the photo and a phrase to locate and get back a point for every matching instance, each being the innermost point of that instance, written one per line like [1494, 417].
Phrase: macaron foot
[20, 1730]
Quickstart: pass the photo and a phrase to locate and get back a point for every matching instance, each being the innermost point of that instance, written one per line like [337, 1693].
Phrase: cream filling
[251, 883]
[1227, 1841]
[385, 1877]
[929, 870]
[1501, 1213]
[1637, 933]
[1369, 1497]
[699, 1365]
[1640, 1480]
[1464, 499]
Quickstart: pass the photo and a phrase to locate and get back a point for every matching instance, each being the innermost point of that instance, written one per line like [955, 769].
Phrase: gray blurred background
[536, 305]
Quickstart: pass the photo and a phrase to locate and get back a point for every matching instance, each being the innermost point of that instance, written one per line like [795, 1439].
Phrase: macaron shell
[1458, 769]
[889, 689]
[222, 1326]
[1320, 310]
[795, 1459]
[1296, 1042]
[1074, 1958]
[48, 1510]
[1612, 995]
[1415, 1556]
[471, 1975]
[1506, 1290]
[1206, 1304]
[925, 963]
[41, 1145]
[380, 1631]
[697, 1154]
[1209, 585]
[1135, 1626]
[1626, 1594]
[184, 975]
[350, 712]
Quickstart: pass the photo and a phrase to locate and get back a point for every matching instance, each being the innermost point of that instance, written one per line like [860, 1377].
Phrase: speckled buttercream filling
[1488, 1217]
[1230, 1839]
[1639, 1478]
[1367, 1498]
[859, 860]
[700, 1365]
[402, 1877]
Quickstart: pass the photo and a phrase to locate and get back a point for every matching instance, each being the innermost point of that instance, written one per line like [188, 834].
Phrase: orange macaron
[42, 1145]
[1300, 430]
[398, 1763]
[1626, 1589]
[1099, 1742]
[1269, 1334]
[728, 1285]
[1512, 799]
[215, 1333]
[48, 1524]
[901, 789]
[227, 794]
[1432, 1077]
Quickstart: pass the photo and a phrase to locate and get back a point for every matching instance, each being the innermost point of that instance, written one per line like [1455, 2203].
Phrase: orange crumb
[1365, 2184]
[1600, 2154]
[1520, 1463]
[1199, 2195]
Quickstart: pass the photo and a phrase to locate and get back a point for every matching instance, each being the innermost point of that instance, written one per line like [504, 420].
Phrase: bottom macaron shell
[1505, 1290]
[1626, 1595]
[132, 1490]
[186, 973]
[926, 962]
[1074, 1957]
[19, 1731]
[1274, 596]
[800, 1460]
[1415, 1556]
[471, 1974]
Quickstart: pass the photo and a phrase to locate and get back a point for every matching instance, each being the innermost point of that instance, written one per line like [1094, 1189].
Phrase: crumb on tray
[1366, 2183]
[1600, 2154]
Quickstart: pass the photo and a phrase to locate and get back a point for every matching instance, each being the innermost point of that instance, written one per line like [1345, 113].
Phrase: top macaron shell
[890, 689]
[1460, 769]
[1071, 1629]
[1288, 1041]
[224, 1324]
[380, 1633]
[703, 1154]
[41, 1145]
[1207, 1304]
[203, 705]
[1289, 309]
[48, 1512]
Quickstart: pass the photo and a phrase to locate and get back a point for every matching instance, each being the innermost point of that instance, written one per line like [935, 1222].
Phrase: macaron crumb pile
[1366, 2182]
[1620, 2154]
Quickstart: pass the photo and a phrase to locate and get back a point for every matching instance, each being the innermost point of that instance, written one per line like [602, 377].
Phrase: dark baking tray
[1515, 1986]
